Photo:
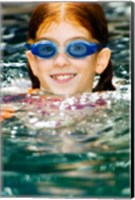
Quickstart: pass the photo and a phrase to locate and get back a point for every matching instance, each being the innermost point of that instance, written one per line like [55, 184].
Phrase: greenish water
[75, 147]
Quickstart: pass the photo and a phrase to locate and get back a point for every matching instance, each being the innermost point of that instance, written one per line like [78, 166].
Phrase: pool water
[65, 147]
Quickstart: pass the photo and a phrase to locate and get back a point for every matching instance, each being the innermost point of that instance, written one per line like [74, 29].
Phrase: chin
[64, 92]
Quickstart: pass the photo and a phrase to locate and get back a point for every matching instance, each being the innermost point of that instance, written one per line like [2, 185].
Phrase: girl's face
[62, 74]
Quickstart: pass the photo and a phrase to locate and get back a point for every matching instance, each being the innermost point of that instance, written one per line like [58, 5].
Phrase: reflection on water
[65, 147]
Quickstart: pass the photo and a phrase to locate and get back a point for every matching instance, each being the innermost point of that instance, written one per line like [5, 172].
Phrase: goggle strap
[28, 46]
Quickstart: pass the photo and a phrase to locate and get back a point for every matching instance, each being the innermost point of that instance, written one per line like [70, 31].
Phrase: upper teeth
[62, 77]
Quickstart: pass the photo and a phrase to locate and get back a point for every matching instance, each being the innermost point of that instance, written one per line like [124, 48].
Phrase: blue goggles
[77, 49]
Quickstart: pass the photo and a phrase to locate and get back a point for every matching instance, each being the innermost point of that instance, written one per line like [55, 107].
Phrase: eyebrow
[70, 39]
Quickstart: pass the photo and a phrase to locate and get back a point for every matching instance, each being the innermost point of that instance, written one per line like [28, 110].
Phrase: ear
[32, 62]
[103, 58]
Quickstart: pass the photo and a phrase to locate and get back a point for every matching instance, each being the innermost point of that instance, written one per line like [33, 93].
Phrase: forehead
[62, 30]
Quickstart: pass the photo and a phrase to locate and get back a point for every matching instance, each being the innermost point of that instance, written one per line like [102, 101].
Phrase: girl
[67, 48]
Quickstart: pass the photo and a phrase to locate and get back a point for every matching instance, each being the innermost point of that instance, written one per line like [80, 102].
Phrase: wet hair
[88, 15]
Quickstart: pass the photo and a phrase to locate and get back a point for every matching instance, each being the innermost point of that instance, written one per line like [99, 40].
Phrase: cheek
[43, 65]
[87, 65]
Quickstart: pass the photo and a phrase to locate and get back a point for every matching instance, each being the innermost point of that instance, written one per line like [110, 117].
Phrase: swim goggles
[77, 49]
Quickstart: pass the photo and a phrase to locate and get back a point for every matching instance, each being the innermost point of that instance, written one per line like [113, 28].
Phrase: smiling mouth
[63, 78]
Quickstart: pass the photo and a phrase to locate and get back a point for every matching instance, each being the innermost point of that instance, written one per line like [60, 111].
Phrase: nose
[61, 60]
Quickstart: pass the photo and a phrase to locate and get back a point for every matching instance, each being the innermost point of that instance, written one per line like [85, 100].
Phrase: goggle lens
[80, 49]
[44, 49]
[77, 49]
